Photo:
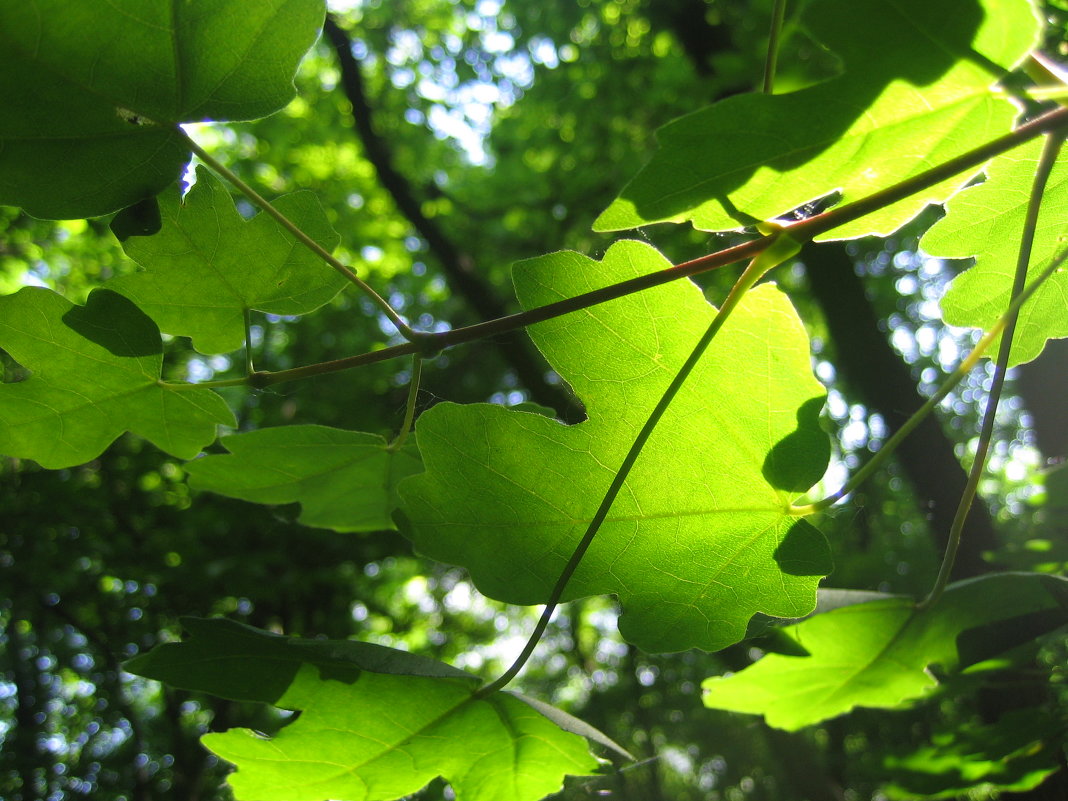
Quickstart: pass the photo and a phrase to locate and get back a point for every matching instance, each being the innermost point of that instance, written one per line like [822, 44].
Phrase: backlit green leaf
[207, 266]
[344, 480]
[375, 723]
[914, 92]
[700, 539]
[383, 737]
[878, 654]
[95, 374]
[986, 221]
[91, 93]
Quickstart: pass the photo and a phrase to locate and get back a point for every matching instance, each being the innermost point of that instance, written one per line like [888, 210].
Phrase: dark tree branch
[459, 267]
[881, 380]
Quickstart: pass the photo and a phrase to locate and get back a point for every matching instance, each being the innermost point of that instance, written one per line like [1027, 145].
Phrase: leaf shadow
[799, 459]
[116, 324]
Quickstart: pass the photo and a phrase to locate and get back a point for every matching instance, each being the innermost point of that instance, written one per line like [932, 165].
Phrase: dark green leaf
[90, 94]
[344, 480]
[235, 661]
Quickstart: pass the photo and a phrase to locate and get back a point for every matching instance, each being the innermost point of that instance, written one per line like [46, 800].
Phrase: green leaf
[375, 723]
[1015, 754]
[914, 92]
[986, 221]
[91, 98]
[208, 266]
[878, 654]
[96, 373]
[344, 480]
[700, 538]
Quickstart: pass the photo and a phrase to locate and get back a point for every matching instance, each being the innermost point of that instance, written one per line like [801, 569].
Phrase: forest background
[447, 141]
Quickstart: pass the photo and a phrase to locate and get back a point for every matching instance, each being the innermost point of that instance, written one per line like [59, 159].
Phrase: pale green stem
[302, 237]
[409, 409]
[954, 378]
[783, 248]
[224, 382]
[1045, 166]
[778, 13]
[249, 369]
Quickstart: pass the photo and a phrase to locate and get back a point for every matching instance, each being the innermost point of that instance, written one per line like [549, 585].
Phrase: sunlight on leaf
[207, 265]
[986, 221]
[878, 654]
[95, 374]
[914, 92]
[700, 538]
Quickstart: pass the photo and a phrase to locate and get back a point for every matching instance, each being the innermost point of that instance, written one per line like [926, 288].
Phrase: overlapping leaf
[90, 94]
[344, 480]
[878, 654]
[95, 374]
[700, 538]
[914, 92]
[375, 723]
[207, 266]
[986, 221]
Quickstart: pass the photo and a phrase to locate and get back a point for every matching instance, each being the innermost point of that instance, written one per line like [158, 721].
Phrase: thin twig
[955, 378]
[783, 247]
[302, 237]
[778, 13]
[1045, 166]
[409, 409]
[804, 230]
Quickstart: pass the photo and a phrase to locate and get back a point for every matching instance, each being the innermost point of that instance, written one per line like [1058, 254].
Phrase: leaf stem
[409, 409]
[778, 12]
[249, 369]
[302, 237]
[782, 247]
[955, 378]
[223, 382]
[1045, 166]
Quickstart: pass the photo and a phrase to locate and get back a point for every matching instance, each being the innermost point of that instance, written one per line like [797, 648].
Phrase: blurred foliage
[513, 123]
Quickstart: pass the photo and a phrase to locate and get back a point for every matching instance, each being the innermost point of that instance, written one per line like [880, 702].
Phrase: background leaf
[700, 538]
[1015, 754]
[83, 88]
[877, 654]
[207, 265]
[344, 480]
[986, 221]
[96, 373]
[914, 92]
